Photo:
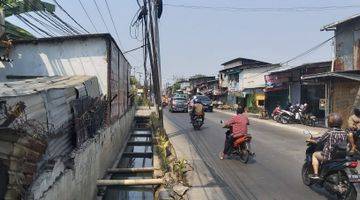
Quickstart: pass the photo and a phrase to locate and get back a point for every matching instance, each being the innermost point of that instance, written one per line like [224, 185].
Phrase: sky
[197, 41]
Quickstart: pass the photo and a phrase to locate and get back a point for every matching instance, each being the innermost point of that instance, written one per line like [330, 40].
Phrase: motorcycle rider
[197, 110]
[335, 135]
[238, 126]
[354, 126]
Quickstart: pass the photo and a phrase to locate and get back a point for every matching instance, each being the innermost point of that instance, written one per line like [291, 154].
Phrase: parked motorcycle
[297, 114]
[197, 122]
[275, 115]
[289, 116]
[241, 147]
[338, 176]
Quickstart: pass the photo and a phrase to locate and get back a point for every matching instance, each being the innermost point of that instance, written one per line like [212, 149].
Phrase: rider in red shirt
[238, 126]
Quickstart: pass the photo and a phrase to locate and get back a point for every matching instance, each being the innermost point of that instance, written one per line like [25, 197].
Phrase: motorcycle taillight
[352, 164]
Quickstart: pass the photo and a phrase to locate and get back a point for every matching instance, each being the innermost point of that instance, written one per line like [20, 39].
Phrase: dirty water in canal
[133, 192]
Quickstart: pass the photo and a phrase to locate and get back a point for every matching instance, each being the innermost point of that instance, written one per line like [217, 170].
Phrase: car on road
[205, 101]
[178, 104]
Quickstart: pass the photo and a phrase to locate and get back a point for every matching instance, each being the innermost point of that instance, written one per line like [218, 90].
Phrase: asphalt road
[275, 173]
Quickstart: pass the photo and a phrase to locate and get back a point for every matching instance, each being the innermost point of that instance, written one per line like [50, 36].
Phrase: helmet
[196, 100]
[335, 120]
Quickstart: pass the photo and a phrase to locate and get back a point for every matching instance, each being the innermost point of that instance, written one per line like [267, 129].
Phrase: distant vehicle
[178, 104]
[197, 122]
[205, 101]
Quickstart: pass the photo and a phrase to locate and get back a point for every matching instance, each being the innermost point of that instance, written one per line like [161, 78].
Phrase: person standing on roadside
[354, 126]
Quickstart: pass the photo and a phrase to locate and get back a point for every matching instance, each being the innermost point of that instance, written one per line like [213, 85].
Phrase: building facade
[343, 82]
[243, 81]
[284, 86]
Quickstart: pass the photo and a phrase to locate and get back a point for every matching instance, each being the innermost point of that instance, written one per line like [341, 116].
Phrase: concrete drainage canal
[133, 176]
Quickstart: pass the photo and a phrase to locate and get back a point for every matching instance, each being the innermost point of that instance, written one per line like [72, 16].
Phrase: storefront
[341, 94]
[276, 91]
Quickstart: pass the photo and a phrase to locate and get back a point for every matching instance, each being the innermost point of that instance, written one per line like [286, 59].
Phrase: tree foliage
[175, 87]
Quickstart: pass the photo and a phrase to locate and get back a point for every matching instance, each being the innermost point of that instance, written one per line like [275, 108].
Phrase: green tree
[175, 87]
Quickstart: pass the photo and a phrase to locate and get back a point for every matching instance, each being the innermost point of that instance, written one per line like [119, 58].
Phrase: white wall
[253, 77]
[70, 57]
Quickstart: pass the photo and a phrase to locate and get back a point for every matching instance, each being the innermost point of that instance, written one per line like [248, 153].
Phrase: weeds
[180, 168]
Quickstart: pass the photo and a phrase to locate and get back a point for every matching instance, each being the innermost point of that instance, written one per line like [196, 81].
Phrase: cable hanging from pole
[101, 16]
[88, 16]
[112, 21]
[72, 18]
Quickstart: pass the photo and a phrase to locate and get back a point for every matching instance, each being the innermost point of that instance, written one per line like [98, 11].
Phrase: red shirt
[239, 124]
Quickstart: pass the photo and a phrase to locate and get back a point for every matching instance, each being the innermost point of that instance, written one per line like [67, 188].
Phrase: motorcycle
[291, 115]
[241, 147]
[297, 114]
[275, 115]
[197, 122]
[337, 176]
[309, 120]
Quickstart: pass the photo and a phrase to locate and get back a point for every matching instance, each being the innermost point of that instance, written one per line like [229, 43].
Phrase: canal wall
[89, 164]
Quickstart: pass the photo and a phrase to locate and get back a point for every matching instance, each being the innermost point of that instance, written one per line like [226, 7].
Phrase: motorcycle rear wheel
[305, 174]
[283, 120]
[351, 194]
[244, 154]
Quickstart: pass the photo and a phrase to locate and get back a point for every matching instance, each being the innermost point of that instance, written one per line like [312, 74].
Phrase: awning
[345, 75]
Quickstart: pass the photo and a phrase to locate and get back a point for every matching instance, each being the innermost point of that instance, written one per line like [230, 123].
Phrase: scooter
[337, 176]
[276, 114]
[197, 122]
[241, 146]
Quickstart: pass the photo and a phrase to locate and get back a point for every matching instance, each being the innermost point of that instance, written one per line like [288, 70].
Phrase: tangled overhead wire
[136, 22]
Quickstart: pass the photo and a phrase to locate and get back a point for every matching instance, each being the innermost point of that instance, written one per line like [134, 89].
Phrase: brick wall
[343, 97]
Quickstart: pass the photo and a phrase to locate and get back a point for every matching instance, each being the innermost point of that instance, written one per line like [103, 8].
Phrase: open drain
[133, 177]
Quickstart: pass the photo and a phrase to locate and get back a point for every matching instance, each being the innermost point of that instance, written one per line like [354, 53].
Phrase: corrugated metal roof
[32, 86]
[332, 26]
[244, 59]
[288, 68]
[351, 76]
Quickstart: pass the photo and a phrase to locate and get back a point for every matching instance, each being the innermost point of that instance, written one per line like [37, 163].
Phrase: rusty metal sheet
[339, 65]
[357, 55]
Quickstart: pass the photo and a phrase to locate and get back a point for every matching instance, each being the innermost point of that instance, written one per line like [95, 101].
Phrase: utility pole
[153, 54]
[145, 70]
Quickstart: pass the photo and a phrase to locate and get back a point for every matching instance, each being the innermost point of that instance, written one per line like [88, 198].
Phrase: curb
[299, 130]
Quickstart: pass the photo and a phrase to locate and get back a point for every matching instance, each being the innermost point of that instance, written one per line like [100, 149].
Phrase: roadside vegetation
[174, 169]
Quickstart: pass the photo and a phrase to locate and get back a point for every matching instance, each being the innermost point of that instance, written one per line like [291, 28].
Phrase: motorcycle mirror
[307, 132]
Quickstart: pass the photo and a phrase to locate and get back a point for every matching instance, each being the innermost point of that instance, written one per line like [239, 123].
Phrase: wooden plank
[138, 154]
[130, 170]
[140, 143]
[129, 182]
[142, 135]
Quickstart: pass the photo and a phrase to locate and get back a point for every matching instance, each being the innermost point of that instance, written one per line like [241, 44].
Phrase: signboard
[322, 104]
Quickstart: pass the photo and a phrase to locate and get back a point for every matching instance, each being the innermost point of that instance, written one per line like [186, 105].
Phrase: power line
[62, 26]
[72, 18]
[308, 51]
[134, 49]
[294, 58]
[50, 28]
[112, 21]
[27, 22]
[101, 16]
[42, 16]
[71, 28]
[88, 16]
[33, 26]
[263, 9]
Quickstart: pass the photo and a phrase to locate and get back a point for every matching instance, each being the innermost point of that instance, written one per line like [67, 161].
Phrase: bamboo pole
[130, 170]
[129, 182]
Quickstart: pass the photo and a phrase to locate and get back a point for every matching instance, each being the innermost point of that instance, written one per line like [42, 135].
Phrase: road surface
[275, 173]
